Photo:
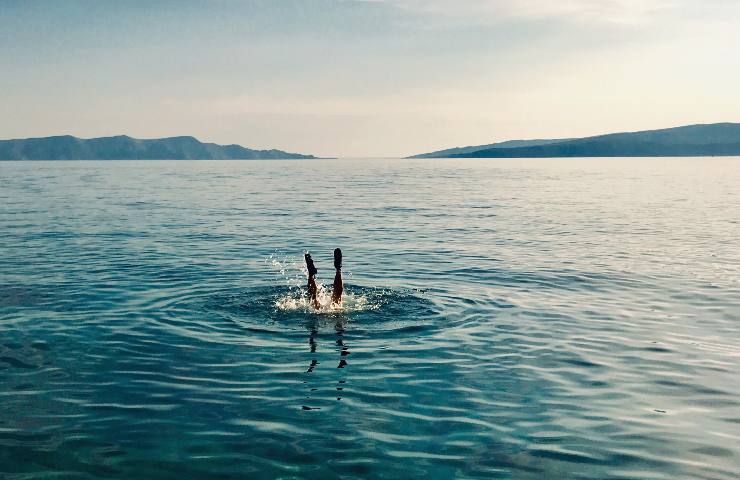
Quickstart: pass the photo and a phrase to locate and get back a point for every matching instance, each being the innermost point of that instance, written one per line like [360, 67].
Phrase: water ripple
[523, 319]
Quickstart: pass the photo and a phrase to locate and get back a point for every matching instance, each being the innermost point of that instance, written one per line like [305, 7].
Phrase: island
[123, 147]
[718, 139]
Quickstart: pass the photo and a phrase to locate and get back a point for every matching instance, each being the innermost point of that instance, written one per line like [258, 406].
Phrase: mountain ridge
[714, 139]
[124, 147]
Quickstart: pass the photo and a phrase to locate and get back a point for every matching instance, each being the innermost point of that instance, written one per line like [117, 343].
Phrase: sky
[365, 78]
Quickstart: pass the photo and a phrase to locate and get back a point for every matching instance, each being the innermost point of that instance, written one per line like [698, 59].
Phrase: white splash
[297, 300]
[292, 272]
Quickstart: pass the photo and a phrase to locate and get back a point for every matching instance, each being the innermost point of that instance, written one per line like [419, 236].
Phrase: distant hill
[122, 147]
[473, 148]
[719, 139]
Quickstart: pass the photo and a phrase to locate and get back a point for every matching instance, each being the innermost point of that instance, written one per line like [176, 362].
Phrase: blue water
[574, 318]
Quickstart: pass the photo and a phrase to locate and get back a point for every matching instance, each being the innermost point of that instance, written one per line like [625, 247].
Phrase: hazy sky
[365, 78]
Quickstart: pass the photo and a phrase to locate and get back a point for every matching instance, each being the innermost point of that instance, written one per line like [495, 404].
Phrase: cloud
[610, 11]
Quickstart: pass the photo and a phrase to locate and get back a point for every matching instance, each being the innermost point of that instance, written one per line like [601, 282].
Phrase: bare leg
[338, 288]
[312, 289]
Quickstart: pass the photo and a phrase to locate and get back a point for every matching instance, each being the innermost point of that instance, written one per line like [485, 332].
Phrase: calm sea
[534, 319]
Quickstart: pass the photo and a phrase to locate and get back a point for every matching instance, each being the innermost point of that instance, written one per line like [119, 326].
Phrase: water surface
[570, 318]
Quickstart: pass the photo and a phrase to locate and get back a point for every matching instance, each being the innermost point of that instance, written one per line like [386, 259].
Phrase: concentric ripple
[229, 315]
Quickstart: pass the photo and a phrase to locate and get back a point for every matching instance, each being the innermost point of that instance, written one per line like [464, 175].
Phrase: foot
[337, 259]
[311, 267]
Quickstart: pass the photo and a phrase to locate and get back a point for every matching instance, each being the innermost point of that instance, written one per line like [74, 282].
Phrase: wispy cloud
[613, 11]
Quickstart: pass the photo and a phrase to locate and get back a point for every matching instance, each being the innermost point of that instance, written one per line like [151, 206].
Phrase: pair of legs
[337, 289]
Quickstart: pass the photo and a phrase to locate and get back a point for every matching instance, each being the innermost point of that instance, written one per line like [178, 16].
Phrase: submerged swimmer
[337, 289]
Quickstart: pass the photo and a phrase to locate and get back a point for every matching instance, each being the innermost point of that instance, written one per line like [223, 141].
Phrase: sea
[507, 318]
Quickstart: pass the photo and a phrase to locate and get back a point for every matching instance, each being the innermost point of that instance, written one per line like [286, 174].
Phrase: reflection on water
[506, 319]
[343, 349]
